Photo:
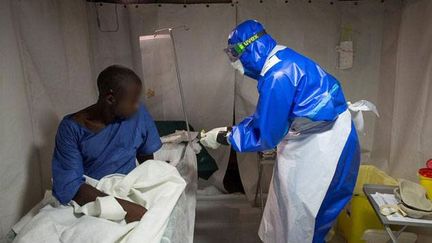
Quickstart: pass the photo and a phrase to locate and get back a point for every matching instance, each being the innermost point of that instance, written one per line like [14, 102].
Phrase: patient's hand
[134, 212]
[87, 193]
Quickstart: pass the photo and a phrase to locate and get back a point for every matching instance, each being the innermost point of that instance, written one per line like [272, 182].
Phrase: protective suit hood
[255, 55]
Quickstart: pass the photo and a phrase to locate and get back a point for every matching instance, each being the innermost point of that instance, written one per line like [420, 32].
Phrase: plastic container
[359, 215]
[380, 236]
[369, 174]
[429, 164]
[426, 172]
[426, 182]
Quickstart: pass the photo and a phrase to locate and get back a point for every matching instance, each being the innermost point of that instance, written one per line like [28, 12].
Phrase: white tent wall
[51, 52]
[403, 142]
[113, 45]
[45, 75]
[20, 184]
[386, 86]
[360, 82]
[53, 37]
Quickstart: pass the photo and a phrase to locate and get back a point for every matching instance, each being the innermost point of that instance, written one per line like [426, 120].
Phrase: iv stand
[184, 27]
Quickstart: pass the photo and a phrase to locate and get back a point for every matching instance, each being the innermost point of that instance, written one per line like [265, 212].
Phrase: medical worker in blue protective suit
[302, 111]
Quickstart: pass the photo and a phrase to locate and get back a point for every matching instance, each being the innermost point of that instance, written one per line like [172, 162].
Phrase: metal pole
[393, 238]
[178, 75]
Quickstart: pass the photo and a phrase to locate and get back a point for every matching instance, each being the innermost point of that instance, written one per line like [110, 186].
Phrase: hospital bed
[181, 222]
[206, 163]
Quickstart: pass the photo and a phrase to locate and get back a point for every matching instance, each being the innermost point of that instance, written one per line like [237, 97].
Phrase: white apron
[303, 172]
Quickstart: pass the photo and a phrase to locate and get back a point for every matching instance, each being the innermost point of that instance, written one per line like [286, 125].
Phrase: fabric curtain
[46, 73]
[52, 51]
[403, 135]
[55, 51]
[20, 184]
[403, 141]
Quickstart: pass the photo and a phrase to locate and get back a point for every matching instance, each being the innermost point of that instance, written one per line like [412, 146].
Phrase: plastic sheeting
[184, 157]
[182, 220]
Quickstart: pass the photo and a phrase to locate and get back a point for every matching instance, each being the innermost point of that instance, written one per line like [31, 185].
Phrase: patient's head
[120, 89]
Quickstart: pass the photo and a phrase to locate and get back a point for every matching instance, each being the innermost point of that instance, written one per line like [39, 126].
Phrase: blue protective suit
[301, 110]
[294, 87]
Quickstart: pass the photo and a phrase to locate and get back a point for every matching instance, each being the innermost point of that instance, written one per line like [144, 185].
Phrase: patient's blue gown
[79, 151]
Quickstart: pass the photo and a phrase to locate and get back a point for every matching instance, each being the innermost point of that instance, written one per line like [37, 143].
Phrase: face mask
[238, 65]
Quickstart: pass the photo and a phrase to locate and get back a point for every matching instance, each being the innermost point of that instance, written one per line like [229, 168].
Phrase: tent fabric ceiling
[187, 1]
[159, 1]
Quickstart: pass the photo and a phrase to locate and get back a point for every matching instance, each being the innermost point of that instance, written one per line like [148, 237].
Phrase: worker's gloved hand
[215, 137]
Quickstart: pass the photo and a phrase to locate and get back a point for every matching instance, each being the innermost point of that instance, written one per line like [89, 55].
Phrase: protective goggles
[234, 51]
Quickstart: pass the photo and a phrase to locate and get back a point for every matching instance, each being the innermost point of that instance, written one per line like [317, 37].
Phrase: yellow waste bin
[425, 178]
[359, 215]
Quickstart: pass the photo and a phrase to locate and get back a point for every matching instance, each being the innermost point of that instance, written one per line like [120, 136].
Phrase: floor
[226, 218]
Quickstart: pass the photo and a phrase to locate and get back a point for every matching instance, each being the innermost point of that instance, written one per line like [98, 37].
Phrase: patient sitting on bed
[104, 138]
